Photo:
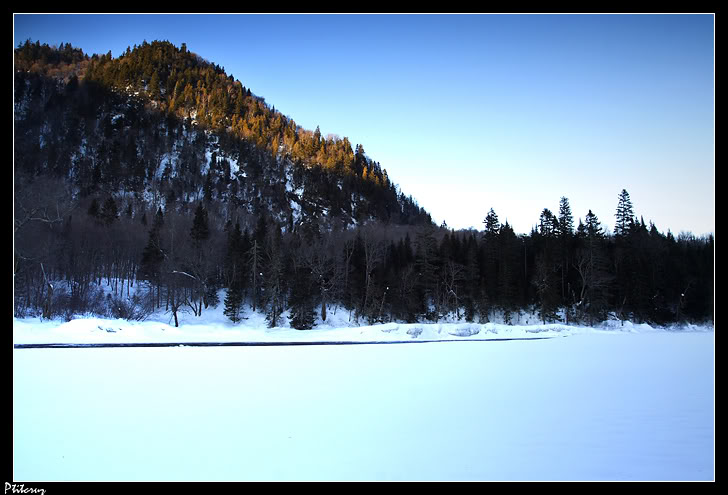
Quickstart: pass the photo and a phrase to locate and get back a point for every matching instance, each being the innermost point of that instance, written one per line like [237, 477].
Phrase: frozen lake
[597, 406]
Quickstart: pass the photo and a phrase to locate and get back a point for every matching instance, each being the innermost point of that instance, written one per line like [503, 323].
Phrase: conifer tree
[636, 273]
[592, 266]
[233, 303]
[254, 257]
[548, 224]
[491, 258]
[302, 316]
[547, 265]
[508, 270]
[566, 220]
[624, 215]
[565, 235]
[624, 261]
[273, 277]
[154, 86]
[234, 274]
[492, 225]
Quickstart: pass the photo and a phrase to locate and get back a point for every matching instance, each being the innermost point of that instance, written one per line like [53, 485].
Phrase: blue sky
[472, 112]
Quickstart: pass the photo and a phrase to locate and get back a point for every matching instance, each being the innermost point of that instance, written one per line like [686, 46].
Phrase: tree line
[189, 259]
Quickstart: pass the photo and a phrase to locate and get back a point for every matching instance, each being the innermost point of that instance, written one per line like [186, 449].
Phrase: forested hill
[156, 182]
[160, 121]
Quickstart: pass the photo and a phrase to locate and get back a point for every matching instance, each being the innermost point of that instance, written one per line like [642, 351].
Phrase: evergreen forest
[156, 181]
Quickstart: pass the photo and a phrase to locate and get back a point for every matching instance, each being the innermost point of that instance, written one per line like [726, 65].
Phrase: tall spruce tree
[565, 235]
[624, 261]
[234, 274]
[233, 303]
[624, 215]
[593, 267]
[508, 271]
[491, 258]
[301, 302]
[566, 220]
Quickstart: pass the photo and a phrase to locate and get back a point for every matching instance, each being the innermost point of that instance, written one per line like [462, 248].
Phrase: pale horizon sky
[473, 112]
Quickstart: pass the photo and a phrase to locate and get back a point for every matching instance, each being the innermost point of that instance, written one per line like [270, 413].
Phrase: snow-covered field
[618, 402]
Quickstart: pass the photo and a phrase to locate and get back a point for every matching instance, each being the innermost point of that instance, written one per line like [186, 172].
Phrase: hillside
[160, 124]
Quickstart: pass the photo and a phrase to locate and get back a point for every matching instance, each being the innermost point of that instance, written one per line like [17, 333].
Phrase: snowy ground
[214, 326]
[619, 402]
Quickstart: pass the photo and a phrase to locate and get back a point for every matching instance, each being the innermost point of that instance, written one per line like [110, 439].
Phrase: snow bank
[340, 326]
[254, 329]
